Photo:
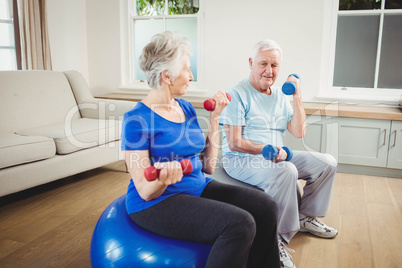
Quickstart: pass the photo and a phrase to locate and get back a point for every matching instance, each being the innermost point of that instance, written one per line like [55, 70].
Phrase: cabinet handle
[395, 132]
[385, 136]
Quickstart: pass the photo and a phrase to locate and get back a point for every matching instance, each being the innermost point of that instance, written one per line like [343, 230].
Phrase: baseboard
[373, 171]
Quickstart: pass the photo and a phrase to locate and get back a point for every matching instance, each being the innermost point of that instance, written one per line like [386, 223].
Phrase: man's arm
[297, 125]
[238, 144]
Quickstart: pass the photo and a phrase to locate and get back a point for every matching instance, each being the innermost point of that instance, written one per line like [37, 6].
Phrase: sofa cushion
[75, 135]
[16, 149]
[32, 99]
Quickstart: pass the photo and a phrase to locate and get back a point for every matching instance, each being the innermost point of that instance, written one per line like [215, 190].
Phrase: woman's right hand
[170, 172]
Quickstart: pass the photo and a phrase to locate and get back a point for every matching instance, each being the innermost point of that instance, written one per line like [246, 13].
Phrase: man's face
[265, 69]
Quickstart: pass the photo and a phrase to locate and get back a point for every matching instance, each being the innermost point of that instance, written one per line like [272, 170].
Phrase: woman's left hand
[221, 102]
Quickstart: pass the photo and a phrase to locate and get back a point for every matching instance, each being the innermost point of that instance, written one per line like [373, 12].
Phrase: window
[149, 17]
[368, 44]
[7, 45]
[366, 49]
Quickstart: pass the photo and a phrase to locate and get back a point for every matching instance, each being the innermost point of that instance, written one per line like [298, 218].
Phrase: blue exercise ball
[119, 242]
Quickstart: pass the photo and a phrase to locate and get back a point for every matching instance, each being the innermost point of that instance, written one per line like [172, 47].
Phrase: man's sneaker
[284, 256]
[317, 227]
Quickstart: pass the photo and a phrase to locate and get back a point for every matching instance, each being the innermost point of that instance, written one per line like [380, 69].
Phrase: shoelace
[318, 222]
[284, 251]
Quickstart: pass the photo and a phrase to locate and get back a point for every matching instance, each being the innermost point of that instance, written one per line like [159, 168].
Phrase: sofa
[52, 127]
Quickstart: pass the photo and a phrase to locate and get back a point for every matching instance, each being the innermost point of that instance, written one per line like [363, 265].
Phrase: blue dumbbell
[289, 87]
[270, 152]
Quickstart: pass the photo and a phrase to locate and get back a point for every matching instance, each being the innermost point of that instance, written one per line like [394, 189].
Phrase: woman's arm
[210, 152]
[170, 173]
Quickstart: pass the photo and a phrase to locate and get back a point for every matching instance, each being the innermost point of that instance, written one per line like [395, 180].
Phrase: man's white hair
[266, 44]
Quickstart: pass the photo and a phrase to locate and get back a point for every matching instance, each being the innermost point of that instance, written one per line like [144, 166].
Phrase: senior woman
[161, 130]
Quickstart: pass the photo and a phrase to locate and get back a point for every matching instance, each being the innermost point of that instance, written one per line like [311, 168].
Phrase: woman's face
[181, 83]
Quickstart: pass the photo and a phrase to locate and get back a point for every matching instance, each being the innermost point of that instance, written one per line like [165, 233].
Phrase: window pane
[150, 7]
[6, 9]
[359, 4]
[6, 35]
[355, 52]
[144, 30]
[188, 28]
[183, 7]
[7, 57]
[393, 4]
[391, 53]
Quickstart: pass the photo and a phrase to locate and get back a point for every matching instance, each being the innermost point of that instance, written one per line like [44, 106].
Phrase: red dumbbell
[151, 173]
[209, 104]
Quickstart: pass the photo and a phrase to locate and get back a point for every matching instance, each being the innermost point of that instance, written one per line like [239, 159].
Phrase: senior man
[259, 114]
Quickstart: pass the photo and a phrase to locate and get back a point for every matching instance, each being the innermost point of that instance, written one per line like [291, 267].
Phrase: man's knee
[331, 161]
[330, 164]
[290, 172]
[325, 159]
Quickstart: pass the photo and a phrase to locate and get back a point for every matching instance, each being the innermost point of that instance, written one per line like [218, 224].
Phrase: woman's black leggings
[239, 222]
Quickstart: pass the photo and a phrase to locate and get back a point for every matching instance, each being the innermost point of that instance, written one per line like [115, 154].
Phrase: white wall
[232, 27]
[103, 20]
[68, 35]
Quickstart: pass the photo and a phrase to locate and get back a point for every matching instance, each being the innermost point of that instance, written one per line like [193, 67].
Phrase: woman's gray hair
[163, 53]
[266, 44]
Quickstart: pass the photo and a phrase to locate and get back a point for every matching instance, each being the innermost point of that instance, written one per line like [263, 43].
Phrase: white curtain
[34, 38]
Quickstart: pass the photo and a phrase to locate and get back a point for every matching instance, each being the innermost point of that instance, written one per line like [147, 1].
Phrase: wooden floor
[51, 225]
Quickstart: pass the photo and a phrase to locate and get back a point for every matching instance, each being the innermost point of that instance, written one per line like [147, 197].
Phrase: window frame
[127, 55]
[356, 95]
[12, 37]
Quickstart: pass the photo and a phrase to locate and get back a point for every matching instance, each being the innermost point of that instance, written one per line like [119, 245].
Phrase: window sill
[197, 102]
[371, 97]
[137, 91]
[311, 108]
[353, 111]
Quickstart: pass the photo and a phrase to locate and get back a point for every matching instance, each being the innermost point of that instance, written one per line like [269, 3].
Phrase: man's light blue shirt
[264, 118]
